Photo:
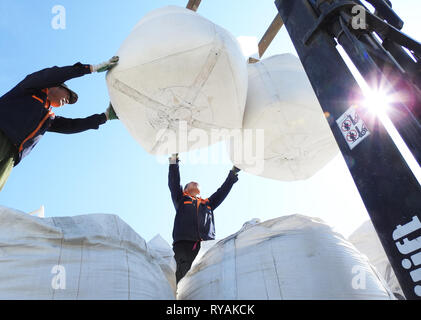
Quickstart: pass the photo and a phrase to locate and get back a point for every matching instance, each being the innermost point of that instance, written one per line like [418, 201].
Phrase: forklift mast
[389, 61]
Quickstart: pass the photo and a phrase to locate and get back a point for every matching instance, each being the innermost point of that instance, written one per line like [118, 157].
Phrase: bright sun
[377, 102]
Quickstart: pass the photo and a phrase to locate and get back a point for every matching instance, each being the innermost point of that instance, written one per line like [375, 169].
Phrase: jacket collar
[189, 195]
[195, 198]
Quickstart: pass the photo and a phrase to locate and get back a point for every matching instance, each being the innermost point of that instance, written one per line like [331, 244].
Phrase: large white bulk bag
[292, 257]
[297, 139]
[164, 255]
[95, 256]
[177, 72]
[366, 240]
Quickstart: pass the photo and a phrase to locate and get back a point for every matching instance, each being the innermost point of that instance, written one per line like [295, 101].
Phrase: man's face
[58, 96]
[192, 188]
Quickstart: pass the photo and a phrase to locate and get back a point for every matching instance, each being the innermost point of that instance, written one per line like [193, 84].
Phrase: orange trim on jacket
[47, 103]
[199, 201]
[39, 99]
[33, 133]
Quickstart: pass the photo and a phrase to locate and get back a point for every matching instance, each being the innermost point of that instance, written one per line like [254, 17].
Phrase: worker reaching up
[26, 111]
[194, 221]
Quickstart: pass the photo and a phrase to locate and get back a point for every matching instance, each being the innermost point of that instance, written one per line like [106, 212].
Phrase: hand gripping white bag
[291, 257]
[179, 76]
[297, 140]
[96, 256]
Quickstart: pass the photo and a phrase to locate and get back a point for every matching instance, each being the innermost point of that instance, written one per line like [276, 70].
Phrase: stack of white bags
[287, 258]
[98, 256]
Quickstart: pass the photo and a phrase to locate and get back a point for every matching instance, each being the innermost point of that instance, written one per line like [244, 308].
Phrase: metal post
[387, 186]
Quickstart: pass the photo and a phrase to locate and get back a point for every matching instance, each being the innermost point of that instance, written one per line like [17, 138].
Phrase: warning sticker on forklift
[352, 127]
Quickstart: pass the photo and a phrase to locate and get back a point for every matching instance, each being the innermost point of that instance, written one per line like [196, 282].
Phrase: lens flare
[377, 102]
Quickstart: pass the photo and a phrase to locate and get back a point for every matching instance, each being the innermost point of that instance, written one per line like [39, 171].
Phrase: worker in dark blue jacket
[26, 111]
[194, 221]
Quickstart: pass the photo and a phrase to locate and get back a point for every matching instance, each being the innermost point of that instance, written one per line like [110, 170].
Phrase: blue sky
[106, 171]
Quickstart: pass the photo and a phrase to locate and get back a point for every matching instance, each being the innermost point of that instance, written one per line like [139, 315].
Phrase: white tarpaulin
[177, 72]
[297, 139]
[292, 257]
[366, 240]
[96, 256]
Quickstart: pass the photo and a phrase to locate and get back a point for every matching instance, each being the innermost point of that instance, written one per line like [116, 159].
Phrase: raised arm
[216, 199]
[52, 77]
[174, 181]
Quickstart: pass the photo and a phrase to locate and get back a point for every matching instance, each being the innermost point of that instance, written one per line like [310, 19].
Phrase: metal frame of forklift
[384, 56]
[387, 186]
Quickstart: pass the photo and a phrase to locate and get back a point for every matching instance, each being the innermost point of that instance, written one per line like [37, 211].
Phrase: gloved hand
[110, 113]
[174, 158]
[105, 66]
[235, 170]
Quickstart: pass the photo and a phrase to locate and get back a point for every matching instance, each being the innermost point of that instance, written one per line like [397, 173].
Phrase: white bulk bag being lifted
[96, 256]
[292, 257]
[178, 67]
[297, 139]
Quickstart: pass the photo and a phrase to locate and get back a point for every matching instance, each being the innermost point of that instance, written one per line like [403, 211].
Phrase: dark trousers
[7, 159]
[184, 253]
